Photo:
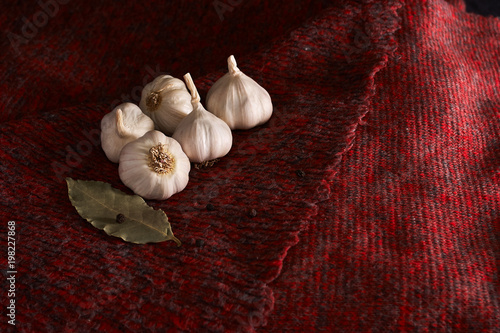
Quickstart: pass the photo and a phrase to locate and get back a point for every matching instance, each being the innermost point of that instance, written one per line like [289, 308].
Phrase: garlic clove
[167, 101]
[154, 166]
[238, 100]
[122, 125]
[202, 135]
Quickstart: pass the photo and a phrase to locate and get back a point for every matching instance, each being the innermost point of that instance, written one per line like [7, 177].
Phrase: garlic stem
[120, 127]
[231, 65]
[195, 97]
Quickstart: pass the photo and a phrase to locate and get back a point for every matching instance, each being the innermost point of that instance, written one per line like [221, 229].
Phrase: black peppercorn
[120, 218]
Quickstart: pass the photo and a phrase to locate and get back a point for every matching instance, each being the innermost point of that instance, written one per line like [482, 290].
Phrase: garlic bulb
[122, 125]
[238, 100]
[202, 135]
[154, 166]
[167, 101]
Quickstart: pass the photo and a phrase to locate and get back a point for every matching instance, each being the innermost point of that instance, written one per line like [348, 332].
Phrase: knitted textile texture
[375, 183]
[409, 239]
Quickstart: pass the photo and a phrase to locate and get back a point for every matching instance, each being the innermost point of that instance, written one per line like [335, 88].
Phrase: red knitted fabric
[409, 239]
[380, 164]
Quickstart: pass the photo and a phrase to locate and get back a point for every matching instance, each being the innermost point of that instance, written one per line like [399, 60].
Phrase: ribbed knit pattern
[380, 164]
[409, 239]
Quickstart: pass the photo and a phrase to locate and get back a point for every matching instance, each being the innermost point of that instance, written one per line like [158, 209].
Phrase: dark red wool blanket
[376, 183]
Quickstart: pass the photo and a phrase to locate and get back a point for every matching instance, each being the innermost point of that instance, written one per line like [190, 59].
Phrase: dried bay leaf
[100, 204]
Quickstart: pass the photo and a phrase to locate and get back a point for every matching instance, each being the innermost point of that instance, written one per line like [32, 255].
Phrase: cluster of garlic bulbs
[156, 166]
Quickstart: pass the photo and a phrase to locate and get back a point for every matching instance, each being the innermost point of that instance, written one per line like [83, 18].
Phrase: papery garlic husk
[154, 166]
[238, 100]
[122, 125]
[167, 101]
[202, 135]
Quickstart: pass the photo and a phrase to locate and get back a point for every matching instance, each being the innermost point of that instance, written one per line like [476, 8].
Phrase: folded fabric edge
[385, 42]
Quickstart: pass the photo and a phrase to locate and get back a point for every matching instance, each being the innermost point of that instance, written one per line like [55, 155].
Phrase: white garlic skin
[172, 103]
[202, 135]
[137, 174]
[238, 100]
[122, 125]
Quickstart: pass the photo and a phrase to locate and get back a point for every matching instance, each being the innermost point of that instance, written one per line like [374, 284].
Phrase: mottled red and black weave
[376, 181]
